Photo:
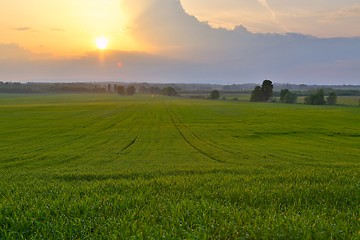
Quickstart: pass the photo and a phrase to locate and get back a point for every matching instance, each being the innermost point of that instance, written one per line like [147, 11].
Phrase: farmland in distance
[104, 166]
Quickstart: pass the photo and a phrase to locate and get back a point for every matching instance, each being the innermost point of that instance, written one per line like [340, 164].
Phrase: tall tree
[263, 93]
[121, 90]
[256, 95]
[267, 90]
[130, 90]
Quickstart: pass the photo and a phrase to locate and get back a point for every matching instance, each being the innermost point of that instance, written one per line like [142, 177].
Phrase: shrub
[215, 94]
[316, 98]
[331, 99]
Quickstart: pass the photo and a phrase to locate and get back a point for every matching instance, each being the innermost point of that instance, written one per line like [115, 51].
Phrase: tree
[331, 99]
[283, 92]
[130, 90]
[290, 97]
[267, 90]
[287, 97]
[169, 91]
[256, 95]
[120, 90]
[214, 94]
[263, 93]
[316, 98]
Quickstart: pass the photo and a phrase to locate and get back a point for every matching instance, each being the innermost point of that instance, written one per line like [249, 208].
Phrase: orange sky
[65, 28]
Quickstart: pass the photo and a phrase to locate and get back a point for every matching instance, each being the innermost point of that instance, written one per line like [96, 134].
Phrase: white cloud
[265, 4]
[270, 16]
[346, 12]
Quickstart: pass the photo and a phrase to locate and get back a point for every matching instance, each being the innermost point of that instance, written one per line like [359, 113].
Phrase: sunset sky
[38, 38]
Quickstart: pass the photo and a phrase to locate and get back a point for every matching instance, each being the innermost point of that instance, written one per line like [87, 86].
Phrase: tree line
[131, 90]
[264, 93]
[318, 98]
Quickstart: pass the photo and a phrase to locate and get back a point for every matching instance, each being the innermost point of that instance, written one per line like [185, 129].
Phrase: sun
[101, 42]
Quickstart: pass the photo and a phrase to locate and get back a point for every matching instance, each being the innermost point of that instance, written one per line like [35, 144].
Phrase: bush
[290, 97]
[331, 99]
[287, 97]
[169, 91]
[215, 94]
[316, 98]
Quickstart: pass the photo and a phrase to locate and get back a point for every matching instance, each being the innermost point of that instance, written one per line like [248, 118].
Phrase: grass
[104, 166]
[349, 100]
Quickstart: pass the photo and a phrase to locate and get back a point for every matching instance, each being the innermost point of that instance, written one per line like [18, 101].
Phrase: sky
[195, 41]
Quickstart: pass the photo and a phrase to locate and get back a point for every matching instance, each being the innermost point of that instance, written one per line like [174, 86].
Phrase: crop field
[349, 100]
[112, 167]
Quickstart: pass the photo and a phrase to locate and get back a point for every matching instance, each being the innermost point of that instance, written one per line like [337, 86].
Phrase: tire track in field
[130, 144]
[189, 142]
[117, 122]
[89, 123]
[99, 129]
[81, 136]
[200, 139]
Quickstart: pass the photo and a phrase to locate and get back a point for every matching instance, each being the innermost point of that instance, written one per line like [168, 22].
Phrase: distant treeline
[327, 91]
[180, 88]
[10, 87]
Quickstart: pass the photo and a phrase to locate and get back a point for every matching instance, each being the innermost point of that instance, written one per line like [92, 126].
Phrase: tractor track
[200, 139]
[129, 145]
[202, 152]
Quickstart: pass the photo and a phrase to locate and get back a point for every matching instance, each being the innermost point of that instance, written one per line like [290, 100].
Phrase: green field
[111, 167]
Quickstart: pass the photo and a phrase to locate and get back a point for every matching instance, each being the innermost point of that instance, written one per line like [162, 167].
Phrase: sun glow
[101, 42]
[80, 24]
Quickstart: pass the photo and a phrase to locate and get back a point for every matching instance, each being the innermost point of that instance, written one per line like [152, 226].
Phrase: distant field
[111, 167]
[349, 100]
[238, 97]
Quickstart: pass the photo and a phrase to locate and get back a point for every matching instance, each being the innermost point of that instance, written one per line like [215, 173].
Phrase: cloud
[12, 51]
[265, 4]
[352, 11]
[23, 29]
[308, 17]
[239, 55]
[188, 50]
[274, 15]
